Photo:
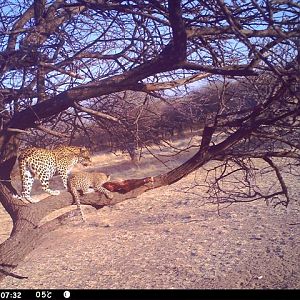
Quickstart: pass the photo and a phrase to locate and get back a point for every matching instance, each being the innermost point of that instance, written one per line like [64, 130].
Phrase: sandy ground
[167, 239]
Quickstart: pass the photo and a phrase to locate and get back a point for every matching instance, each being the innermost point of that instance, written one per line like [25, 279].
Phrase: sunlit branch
[147, 87]
[96, 113]
[52, 132]
[60, 70]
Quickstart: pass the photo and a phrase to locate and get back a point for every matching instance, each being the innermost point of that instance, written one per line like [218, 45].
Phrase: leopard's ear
[86, 150]
[89, 149]
[83, 148]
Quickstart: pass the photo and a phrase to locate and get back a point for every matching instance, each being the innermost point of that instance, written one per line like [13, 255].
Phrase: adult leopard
[44, 163]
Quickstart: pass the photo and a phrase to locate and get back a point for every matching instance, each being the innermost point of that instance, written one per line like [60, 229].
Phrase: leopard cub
[84, 181]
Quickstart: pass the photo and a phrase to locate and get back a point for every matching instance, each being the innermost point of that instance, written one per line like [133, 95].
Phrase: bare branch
[238, 70]
[96, 113]
[16, 130]
[280, 179]
[228, 32]
[52, 132]
[147, 87]
[60, 70]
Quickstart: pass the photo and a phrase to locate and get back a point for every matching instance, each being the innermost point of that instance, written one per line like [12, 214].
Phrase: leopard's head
[85, 156]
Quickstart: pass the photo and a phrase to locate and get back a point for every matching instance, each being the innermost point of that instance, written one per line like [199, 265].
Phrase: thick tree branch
[234, 70]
